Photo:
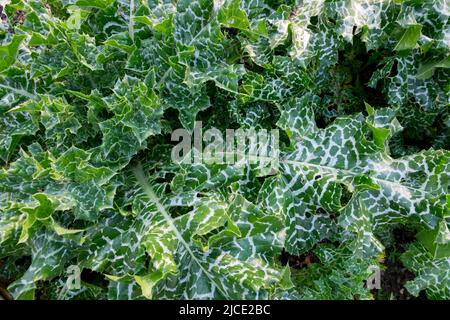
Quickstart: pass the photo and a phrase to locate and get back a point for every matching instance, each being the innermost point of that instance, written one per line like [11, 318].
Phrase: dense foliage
[91, 89]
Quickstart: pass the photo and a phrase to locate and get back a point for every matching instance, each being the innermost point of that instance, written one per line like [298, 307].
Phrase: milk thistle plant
[224, 149]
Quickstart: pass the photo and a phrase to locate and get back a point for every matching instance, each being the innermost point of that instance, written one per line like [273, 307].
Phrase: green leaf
[409, 38]
[234, 272]
[432, 275]
[426, 70]
[8, 53]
